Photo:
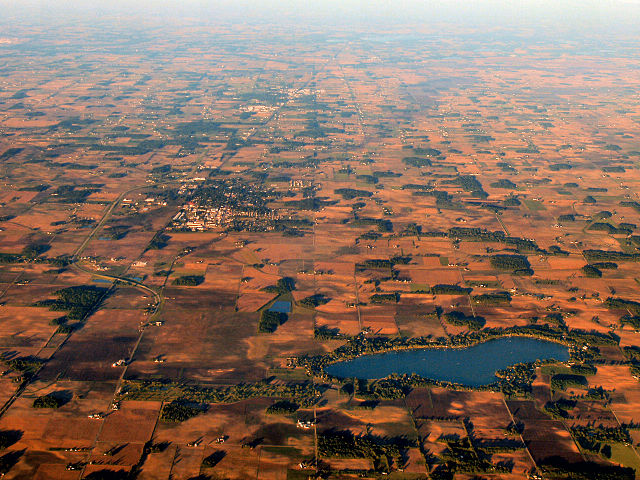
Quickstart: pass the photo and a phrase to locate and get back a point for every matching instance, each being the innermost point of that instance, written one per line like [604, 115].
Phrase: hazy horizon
[566, 15]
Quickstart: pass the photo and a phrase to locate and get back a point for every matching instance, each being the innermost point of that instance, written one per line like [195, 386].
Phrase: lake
[473, 366]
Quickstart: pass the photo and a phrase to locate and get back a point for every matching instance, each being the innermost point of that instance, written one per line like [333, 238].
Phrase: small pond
[101, 280]
[281, 306]
[473, 366]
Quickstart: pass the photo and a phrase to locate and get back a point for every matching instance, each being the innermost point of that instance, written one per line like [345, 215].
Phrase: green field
[533, 205]
[626, 455]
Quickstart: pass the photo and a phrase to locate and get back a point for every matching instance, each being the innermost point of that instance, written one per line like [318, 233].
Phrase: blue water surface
[473, 366]
[281, 306]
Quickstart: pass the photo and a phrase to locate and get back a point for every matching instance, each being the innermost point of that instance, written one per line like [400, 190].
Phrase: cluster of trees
[189, 280]
[283, 407]
[606, 265]
[10, 152]
[181, 410]
[315, 300]
[529, 149]
[479, 138]
[270, 321]
[398, 386]
[583, 369]
[344, 444]
[503, 183]
[512, 201]
[303, 393]
[446, 289]
[73, 193]
[158, 242]
[325, 333]
[383, 263]
[475, 234]
[593, 255]
[382, 224]
[562, 381]
[596, 439]
[387, 173]
[370, 235]
[428, 152]
[591, 271]
[568, 217]
[48, 401]
[463, 320]
[601, 215]
[368, 179]
[516, 380]
[34, 250]
[416, 186]
[506, 167]
[632, 353]
[116, 232]
[411, 230]
[557, 467]
[461, 456]
[633, 204]
[556, 167]
[77, 166]
[560, 408]
[496, 298]
[503, 445]
[280, 178]
[517, 264]
[401, 260]
[597, 393]
[385, 388]
[78, 301]
[470, 183]
[630, 306]
[610, 229]
[30, 255]
[283, 286]
[418, 162]
[292, 227]
[378, 298]
[28, 364]
[375, 263]
[313, 204]
[72, 124]
[443, 199]
[142, 148]
[188, 141]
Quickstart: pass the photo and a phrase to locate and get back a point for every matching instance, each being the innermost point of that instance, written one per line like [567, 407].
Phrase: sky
[601, 15]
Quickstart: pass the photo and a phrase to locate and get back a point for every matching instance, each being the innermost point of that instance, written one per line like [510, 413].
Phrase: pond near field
[472, 366]
[281, 306]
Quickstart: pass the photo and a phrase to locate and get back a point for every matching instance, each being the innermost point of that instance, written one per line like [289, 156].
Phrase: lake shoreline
[472, 365]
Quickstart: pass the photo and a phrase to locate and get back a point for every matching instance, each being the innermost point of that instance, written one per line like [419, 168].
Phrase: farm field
[197, 216]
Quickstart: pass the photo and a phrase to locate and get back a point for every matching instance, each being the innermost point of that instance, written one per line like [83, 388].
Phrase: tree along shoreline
[582, 345]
